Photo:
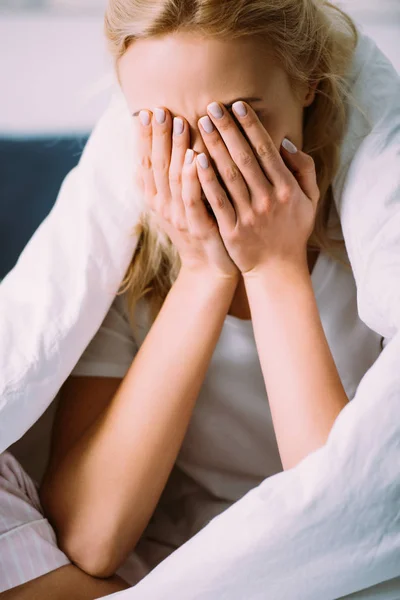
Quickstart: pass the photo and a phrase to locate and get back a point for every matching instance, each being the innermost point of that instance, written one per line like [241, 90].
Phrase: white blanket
[320, 531]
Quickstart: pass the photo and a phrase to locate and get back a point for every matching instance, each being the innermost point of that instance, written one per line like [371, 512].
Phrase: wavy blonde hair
[313, 40]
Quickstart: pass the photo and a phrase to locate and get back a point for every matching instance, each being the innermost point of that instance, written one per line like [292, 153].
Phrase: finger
[227, 168]
[180, 143]
[200, 223]
[302, 166]
[216, 196]
[251, 156]
[145, 167]
[161, 153]
[261, 143]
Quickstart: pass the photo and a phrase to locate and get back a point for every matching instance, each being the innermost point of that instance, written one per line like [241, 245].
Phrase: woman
[166, 420]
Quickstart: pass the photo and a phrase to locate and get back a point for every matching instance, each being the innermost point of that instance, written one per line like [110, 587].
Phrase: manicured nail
[178, 126]
[289, 146]
[203, 160]
[240, 109]
[189, 156]
[215, 110]
[207, 124]
[144, 117]
[160, 115]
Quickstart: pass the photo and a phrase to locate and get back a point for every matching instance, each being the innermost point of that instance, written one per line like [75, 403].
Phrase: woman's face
[184, 73]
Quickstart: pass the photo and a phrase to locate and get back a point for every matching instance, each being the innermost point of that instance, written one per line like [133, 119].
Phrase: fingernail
[144, 117]
[178, 126]
[215, 110]
[289, 146]
[203, 160]
[189, 156]
[160, 115]
[207, 124]
[240, 109]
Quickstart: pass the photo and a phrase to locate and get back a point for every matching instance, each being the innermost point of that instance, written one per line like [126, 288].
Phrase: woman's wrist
[278, 270]
[210, 278]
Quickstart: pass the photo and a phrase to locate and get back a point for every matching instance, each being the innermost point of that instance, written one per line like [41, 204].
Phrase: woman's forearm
[304, 388]
[102, 495]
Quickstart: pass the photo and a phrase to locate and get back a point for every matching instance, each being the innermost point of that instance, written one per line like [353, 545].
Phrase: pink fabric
[28, 546]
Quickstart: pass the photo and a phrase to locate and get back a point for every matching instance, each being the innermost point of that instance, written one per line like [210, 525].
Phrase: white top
[230, 444]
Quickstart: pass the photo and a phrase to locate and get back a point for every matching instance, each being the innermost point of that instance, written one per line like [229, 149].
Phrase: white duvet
[326, 529]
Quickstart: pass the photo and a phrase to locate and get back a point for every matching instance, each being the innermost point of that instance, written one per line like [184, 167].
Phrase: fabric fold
[55, 298]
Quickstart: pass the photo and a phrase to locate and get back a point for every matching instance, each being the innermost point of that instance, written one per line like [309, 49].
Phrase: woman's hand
[273, 209]
[173, 193]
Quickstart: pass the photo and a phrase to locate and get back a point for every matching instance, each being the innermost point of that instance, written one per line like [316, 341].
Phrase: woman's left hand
[274, 205]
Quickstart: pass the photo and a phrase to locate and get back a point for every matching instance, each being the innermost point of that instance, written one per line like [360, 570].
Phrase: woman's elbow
[87, 547]
[96, 558]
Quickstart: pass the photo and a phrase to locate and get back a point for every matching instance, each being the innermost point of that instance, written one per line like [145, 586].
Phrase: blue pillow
[31, 173]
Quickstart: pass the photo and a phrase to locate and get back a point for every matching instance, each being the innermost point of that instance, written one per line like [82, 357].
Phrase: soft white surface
[329, 526]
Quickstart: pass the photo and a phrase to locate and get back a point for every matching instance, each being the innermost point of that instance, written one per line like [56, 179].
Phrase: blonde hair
[312, 39]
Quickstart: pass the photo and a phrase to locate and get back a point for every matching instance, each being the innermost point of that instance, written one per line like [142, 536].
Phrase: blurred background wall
[54, 66]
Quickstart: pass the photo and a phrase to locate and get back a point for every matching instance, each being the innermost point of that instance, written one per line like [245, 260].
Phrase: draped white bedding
[329, 527]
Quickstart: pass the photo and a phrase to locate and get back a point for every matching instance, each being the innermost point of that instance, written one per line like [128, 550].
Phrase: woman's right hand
[174, 195]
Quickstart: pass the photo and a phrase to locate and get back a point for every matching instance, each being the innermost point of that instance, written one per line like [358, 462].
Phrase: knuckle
[176, 177]
[146, 132]
[285, 194]
[245, 159]
[215, 142]
[251, 120]
[265, 151]
[220, 201]
[179, 224]
[189, 201]
[263, 205]
[232, 173]
[248, 220]
[224, 125]
[208, 179]
[161, 131]
[146, 162]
